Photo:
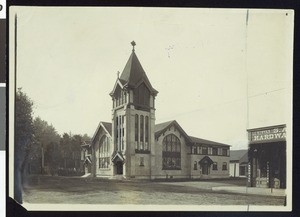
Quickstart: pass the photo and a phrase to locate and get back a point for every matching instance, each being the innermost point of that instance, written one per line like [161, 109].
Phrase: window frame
[171, 154]
[215, 166]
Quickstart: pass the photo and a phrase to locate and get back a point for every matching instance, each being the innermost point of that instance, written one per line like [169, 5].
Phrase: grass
[48, 189]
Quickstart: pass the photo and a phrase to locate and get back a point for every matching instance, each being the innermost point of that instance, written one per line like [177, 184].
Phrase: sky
[209, 66]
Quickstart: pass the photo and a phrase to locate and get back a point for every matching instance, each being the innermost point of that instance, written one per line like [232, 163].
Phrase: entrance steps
[86, 175]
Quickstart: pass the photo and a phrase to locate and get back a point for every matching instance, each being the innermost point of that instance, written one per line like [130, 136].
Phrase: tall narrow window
[215, 151]
[215, 166]
[142, 132]
[116, 132]
[199, 151]
[224, 151]
[122, 95]
[204, 150]
[194, 150]
[136, 129]
[108, 144]
[146, 132]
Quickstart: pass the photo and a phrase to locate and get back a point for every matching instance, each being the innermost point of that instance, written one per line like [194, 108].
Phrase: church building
[133, 146]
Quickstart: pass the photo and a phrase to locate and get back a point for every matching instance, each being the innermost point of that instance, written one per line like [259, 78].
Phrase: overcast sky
[200, 61]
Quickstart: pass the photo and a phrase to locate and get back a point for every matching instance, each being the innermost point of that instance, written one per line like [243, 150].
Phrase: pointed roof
[162, 127]
[134, 73]
[206, 160]
[106, 126]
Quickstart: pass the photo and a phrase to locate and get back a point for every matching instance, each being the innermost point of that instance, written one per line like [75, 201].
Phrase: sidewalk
[250, 190]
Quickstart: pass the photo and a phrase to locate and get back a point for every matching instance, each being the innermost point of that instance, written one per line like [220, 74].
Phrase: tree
[71, 152]
[44, 135]
[23, 138]
[53, 157]
[85, 137]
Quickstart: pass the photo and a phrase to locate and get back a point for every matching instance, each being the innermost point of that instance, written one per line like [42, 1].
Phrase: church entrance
[205, 169]
[119, 168]
[205, 164]
[118, 161]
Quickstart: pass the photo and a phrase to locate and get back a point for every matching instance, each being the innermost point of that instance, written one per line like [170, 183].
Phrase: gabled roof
[87, 160]
[162, 127]
[206, 160]
[117, 155]
[133, 73]
[237, 155]
[106, 126]
[159, 127]
[204, 141]
[118, 83]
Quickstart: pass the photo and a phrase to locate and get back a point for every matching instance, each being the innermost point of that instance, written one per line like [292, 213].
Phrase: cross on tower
[133, 44]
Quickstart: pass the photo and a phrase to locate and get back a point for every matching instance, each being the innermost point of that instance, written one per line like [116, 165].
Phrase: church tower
[133, 120]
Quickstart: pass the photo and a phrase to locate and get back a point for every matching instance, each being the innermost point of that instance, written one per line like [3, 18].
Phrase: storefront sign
[273, 134]
[249, 173]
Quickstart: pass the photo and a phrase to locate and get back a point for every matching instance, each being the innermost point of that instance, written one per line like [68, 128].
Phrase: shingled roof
[134, 73]
[107, 127]
[162, 127]
[238, 155]
[204, 141]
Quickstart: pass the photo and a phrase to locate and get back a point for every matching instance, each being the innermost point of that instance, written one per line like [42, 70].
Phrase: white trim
[115, 86]
[2, 84]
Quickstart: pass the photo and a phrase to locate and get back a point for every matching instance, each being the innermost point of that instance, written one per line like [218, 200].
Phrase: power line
[224, 103]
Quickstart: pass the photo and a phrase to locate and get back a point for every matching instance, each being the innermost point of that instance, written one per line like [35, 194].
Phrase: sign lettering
[278, 133]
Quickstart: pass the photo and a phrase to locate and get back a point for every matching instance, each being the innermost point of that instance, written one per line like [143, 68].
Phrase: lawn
[69, 190]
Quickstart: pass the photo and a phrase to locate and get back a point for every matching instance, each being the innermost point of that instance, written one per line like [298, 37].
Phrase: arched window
[224, 166]
[195, 165]
[171, 153]
[215, 166]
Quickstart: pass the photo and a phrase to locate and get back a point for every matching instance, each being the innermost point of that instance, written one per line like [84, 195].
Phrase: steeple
[133, 118]
[133, 73]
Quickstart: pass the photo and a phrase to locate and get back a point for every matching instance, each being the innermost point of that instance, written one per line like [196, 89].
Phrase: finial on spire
[133, 44]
